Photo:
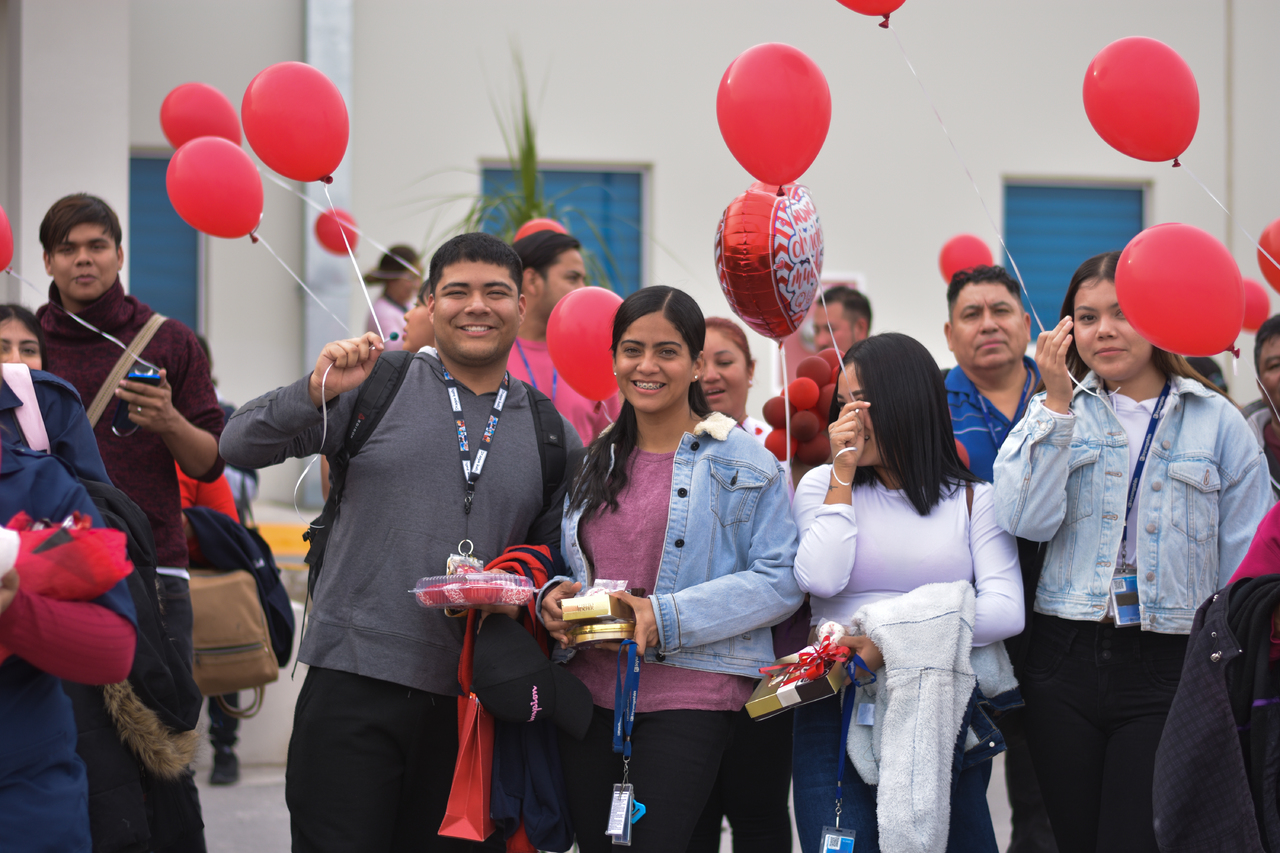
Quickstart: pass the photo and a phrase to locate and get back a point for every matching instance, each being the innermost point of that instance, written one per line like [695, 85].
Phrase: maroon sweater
[140, 465]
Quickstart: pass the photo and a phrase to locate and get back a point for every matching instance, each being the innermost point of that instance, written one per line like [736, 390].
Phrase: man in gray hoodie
[375, 734]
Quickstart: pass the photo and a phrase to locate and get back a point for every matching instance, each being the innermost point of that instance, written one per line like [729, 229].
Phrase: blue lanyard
[625, 696]
[1142, 462]
[846, 720]
[555, 377]
[1017, 413]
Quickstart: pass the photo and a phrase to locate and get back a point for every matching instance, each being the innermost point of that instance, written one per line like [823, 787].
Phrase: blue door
[164, 251]
[1052, 230]
[602, 209]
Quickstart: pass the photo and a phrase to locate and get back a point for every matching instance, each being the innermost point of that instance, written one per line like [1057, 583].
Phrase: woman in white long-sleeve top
[895, 511]
[1148, 486]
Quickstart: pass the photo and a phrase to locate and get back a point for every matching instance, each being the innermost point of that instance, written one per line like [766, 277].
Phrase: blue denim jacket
[726, 573]
[1065, 480]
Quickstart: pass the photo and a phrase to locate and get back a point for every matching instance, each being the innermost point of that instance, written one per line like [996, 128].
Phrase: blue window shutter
[610, 201]
[164, 255]
[1051, 230]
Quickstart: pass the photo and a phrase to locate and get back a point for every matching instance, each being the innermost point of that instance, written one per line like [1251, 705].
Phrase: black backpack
[375, 396]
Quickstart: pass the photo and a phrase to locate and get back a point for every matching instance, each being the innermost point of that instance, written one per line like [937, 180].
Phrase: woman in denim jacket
[1098, 685]
[674, 499]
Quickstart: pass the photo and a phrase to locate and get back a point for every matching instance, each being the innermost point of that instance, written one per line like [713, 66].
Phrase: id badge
[619, 827]
[835, 839]
[1124, 597]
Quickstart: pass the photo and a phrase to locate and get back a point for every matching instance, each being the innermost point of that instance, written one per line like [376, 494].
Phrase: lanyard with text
[624, 810]
[1017, 413]
[555, 376]
[833, 837]
[471, 470]
[1136, 480]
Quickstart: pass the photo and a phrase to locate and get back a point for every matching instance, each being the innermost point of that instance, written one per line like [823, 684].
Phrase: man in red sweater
[179, 419]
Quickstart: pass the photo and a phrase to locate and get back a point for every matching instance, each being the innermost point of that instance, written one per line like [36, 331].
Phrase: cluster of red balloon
[809, 400]
[294, 119]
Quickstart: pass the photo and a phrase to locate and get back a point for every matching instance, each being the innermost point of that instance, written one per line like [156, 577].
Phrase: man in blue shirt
[988, 332]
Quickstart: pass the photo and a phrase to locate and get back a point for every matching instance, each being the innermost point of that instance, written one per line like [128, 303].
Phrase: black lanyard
[471, 470]
[1017, 413]
[1137, 470]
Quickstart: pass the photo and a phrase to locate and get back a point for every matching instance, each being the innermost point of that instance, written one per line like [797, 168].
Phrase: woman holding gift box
[718, 579]
[1148, 486]
[897, 510]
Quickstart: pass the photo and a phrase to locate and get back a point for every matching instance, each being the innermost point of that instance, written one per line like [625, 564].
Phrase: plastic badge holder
[469, 590]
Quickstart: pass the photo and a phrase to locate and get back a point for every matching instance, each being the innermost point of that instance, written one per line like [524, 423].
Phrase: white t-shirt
[899, 550]
[1134, 416]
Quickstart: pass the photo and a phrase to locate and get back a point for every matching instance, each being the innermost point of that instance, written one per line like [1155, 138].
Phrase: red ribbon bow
[813, 663]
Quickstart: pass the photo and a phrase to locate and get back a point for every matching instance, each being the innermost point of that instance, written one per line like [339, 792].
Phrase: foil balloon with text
[768, 254]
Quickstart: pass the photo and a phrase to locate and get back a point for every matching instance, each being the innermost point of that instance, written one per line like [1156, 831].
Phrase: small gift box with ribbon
[815, 672]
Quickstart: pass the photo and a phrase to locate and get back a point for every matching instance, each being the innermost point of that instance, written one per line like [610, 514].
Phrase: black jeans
[751, 789]
[223, 728]
[1097, 698]
[1031, 830]
[674, 761]
[370, 767]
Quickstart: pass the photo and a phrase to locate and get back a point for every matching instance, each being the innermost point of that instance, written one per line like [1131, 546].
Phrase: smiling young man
[375, 730]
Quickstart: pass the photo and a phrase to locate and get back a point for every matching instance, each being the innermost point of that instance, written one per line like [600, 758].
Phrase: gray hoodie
[401, 515]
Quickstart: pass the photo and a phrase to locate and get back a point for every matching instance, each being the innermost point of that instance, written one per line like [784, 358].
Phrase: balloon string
[786, 399]
[84, 323]
[990, 219]
[359, 278]
[347, 225]
[324, 436]
[823, 297]
[1258, 245]
[263, 240]
[965, 166]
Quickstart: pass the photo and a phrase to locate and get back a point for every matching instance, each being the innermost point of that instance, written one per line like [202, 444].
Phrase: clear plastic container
[468, 590]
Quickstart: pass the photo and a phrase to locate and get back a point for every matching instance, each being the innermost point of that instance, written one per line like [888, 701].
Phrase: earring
[695, 379]
[751, 383]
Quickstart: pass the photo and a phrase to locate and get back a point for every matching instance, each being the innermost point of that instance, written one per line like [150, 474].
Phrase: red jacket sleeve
[76, 640]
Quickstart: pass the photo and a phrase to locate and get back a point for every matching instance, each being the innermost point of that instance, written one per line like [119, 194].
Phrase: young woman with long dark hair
[1148, 486]
[674, 499]
[896, 510]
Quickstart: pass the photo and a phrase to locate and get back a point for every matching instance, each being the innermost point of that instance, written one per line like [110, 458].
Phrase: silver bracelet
[835, 476]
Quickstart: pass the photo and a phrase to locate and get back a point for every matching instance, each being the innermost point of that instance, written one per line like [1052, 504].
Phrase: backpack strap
[548, 424]
[126, 360]
[372, 401]
[30, 420]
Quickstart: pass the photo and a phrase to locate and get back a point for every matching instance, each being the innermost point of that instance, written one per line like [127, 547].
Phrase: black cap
[516, 682]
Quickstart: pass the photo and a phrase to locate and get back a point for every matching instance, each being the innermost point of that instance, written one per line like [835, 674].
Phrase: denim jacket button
[1151, 527]
[679, 543]
[659, 657]
[1157, 486]
[1151, 576]
[685, 492]
[694, 446]
[1165, 444]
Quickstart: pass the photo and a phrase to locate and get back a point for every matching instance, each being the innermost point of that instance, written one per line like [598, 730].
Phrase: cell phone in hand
[120, 423]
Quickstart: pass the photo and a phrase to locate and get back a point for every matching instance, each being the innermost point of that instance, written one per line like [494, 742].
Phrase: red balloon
[193, 110]
[815, 368]
[215, 187]
[962, 252]
[1269, 243]
[533, 226]
[803, 393]
[815, 451]
[330, 227]
[6, 241]
[831, 356]
[1142, 99]
[579, 334]
[804, 426]
[774, 108]
[874, 8]
[1257, 305]
[296, 121]
[823, 409]
[1181, 289]
[775, 412]
[769, 257]
[776, 443]
[964, 453]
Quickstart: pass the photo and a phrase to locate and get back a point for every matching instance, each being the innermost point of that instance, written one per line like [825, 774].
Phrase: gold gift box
[603, 632]
[769, 698]
[599, 606]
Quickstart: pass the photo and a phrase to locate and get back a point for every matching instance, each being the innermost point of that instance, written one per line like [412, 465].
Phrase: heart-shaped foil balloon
[769, 257]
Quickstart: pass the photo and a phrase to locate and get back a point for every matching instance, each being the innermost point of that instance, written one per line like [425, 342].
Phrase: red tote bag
[467, 814]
